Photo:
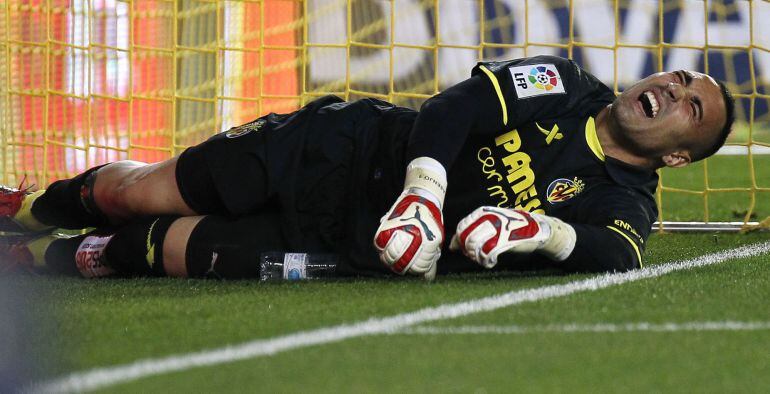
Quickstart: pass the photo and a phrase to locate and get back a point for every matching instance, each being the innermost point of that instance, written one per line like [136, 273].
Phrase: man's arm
[446, 119]
[608, 235]
[410, 236]
[613, 226]
[599, 249]
[487, 103]
[492, 101]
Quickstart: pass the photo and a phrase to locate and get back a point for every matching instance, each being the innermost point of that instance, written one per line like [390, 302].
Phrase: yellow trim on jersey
[593, 140]
[499, 91]
[636, 248]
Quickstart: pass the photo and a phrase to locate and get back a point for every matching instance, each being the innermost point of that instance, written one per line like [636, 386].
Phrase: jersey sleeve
[612, 230]
[543, 87]
[446, 119]
[500, 96]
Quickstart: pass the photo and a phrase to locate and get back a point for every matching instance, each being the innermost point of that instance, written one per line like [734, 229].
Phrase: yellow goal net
[83, 82]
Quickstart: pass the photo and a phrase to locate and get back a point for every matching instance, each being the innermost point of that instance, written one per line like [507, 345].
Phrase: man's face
[666, 112]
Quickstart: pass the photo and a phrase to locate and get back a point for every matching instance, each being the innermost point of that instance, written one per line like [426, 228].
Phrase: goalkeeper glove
[411, 233]
[489, 231]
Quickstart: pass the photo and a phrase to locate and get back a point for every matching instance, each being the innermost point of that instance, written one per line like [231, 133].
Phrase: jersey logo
[625, 226]
[563, 189]
[536, 80]
[508, 168]
[245, 129]
[428, 233]
[551, 135]
[150, 257]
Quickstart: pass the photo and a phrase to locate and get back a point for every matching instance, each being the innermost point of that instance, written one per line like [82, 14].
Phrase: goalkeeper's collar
[626, 174]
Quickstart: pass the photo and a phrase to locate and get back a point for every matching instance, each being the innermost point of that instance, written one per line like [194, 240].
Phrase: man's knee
[115, 189]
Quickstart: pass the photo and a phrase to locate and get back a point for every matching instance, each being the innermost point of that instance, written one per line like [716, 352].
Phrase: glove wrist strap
[427, 174]
[561, 241]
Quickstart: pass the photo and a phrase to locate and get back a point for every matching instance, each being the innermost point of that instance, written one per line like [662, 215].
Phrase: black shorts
[226, 174]
[303, 169]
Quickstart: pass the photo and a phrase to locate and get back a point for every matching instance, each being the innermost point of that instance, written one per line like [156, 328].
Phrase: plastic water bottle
[277, 266]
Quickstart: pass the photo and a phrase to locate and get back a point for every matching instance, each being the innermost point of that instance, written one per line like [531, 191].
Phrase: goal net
[90, 81]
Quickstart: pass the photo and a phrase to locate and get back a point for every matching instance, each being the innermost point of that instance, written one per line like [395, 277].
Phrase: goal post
[83, 82]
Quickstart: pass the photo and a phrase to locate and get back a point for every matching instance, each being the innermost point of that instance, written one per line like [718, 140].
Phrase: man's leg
[219, 247]
[104, 195]
[194, 246]
[128, 189]
[134, 249]
[175, 245]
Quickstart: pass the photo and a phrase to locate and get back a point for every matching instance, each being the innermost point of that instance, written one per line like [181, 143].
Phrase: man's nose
[675, 91]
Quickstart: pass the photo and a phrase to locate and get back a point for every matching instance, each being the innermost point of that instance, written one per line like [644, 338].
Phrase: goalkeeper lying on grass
[530, 162]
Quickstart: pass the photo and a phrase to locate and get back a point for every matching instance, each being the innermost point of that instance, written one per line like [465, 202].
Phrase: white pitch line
[108, 376]
[593, 328]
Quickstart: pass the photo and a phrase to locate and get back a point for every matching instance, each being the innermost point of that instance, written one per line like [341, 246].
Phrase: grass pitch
[730, 181]
[532, 347]
[112, 322]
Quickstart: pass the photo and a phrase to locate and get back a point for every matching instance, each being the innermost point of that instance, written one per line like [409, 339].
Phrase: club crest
[563, 189]
[245, 128]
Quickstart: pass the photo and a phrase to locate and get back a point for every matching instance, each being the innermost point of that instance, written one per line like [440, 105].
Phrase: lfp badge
[563, 189]
[536, 80]
[543, 78]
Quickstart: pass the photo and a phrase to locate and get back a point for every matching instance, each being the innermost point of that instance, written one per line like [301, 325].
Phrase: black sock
[69, 203]
[229, 248]
[135, 249]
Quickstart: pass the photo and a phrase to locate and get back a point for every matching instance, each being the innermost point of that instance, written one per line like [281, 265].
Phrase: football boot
[10, 203]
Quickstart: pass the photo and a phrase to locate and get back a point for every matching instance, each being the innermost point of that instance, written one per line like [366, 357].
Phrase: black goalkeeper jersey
[519, 134]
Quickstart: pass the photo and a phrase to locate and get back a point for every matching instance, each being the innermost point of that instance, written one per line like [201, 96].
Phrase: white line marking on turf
[108, 376]
[600, 327]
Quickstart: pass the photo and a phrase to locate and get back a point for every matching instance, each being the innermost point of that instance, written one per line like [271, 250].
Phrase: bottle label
[295, 266]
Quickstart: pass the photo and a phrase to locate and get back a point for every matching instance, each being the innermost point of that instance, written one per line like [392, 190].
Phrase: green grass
[111, 322]
[98, 323]
[721, 172]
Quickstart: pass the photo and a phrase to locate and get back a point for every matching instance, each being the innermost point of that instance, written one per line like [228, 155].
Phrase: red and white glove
[410, 235]
[489, 231]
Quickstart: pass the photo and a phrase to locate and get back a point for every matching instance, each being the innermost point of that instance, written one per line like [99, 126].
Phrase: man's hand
[489, 231]
[410, 236]
[411, 233]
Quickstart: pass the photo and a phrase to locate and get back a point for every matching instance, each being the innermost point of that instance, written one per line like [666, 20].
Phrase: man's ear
[677, 159]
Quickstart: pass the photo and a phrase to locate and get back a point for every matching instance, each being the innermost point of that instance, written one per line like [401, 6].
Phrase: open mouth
[649, 104]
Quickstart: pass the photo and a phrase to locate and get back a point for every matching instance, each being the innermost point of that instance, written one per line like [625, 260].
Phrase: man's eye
[694, 109]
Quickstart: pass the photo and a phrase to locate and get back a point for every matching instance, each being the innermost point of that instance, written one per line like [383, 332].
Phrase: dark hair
[729, 119]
